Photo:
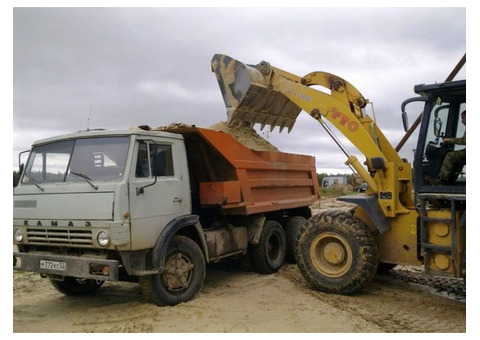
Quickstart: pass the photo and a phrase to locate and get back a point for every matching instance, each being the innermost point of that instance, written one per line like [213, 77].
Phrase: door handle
[177, 200]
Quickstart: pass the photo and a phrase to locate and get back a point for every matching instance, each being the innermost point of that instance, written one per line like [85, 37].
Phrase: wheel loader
[406, 216]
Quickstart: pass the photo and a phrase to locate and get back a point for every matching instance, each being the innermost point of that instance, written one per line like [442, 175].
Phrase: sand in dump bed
[244, 134]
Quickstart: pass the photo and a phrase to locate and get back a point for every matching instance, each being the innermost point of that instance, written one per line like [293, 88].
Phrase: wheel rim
[274, 247]
[178, 272]
[331, 254]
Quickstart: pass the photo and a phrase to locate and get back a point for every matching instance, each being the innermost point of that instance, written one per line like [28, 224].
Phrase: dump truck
[407, 216]
[155, 207]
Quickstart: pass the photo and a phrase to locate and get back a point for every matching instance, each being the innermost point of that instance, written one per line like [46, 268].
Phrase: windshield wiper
[86, 178]
[35, 182]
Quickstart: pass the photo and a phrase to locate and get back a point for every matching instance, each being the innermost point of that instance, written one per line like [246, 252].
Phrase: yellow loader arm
[272, 97]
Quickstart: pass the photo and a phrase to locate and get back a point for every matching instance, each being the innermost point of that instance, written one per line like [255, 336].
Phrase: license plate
[53, 265]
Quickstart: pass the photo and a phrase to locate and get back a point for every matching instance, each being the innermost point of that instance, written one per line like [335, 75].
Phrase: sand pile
[173, 126]
[160, 128]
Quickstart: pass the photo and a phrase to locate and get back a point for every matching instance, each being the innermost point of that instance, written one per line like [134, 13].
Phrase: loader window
[460, 130]
[444, 122]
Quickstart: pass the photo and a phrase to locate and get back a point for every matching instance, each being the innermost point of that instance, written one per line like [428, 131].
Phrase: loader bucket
[248, 96]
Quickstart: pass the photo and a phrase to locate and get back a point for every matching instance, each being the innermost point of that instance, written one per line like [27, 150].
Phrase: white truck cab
[100, 190]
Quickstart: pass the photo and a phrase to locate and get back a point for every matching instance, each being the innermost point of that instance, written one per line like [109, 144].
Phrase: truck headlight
[18, 235]
[103, 239]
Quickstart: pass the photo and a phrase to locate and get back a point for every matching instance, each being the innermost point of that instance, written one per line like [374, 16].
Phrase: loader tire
[72, 286]
[292, 230]
[269, 254]
[336, 253]
[182, 277]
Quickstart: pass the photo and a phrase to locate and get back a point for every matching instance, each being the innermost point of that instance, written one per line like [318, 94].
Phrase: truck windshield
[89, 159]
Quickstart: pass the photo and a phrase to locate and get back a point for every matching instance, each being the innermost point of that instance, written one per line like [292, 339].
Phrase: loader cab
[444, 105]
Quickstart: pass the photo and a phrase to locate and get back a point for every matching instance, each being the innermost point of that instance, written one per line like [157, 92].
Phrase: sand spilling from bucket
[245, 135]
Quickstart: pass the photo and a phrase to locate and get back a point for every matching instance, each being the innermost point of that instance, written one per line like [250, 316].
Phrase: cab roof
[107, 133]
[452, 89]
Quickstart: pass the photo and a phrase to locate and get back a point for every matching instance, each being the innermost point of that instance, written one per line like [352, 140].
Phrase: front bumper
[61, 265]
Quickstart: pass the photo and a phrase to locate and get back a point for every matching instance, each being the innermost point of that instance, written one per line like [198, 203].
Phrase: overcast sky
[130, 66]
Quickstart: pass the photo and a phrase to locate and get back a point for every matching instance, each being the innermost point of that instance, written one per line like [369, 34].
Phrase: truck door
[158, 189]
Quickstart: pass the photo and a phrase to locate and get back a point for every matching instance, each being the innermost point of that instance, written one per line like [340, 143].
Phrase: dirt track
[233, 300]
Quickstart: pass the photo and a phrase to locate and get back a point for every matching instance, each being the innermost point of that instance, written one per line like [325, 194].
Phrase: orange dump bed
[226, 174]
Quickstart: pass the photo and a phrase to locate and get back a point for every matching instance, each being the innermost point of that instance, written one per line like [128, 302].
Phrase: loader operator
[454, 160]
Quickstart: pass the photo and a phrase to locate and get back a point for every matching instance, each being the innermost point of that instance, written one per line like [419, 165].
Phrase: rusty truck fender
[174, 227]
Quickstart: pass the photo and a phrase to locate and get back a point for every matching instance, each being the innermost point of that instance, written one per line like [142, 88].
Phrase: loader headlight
[18, 236]
[103, 239]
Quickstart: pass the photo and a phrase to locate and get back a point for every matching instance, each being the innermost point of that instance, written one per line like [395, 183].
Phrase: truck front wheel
[336, 252]
[182, 277]
[269, 254]
[72, 286]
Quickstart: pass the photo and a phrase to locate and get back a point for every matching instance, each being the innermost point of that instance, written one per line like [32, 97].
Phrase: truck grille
[55, 236]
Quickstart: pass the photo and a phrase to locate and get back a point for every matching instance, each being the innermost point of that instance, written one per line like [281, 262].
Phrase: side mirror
[404, 112]
[21, 166]
[405, 121]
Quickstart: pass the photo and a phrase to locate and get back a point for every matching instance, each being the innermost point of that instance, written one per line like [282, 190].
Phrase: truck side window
[161, 160]
[142, 169]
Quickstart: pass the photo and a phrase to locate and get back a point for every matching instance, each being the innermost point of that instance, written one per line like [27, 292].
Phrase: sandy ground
[233, 300]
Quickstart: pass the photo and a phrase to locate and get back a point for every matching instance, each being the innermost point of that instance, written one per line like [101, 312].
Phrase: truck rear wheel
[292, 230]
[336, 253]
[182, 277]
[269, 254]
[72, 286]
